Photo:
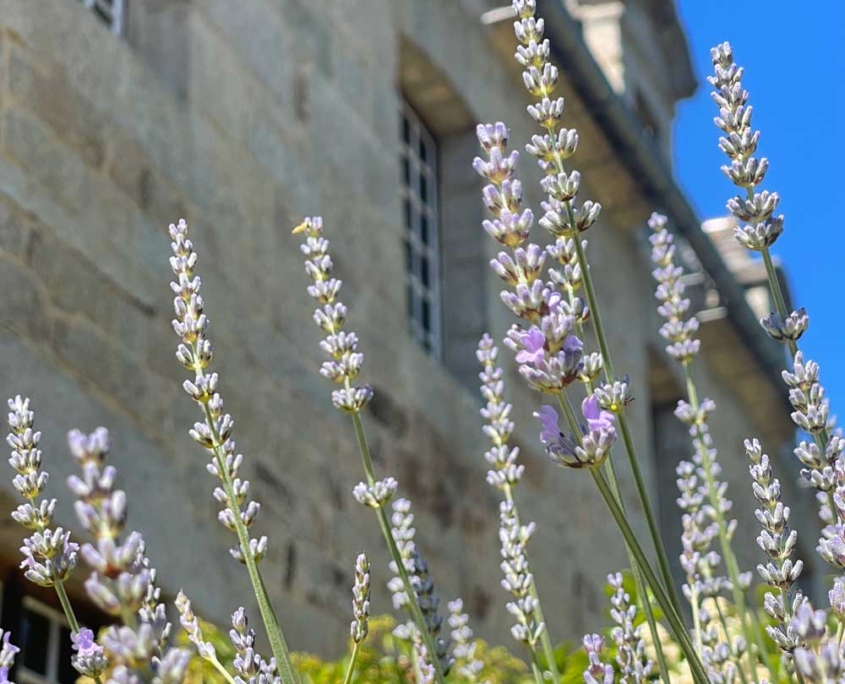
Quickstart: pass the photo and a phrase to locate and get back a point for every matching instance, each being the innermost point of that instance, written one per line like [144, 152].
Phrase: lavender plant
[550, 355]
[343, 367]
[703, 495]
[551, 341]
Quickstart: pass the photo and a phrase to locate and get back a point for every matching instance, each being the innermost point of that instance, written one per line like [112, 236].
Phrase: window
[40, 630]
[420, 214]
[111, 12]
[44, 639]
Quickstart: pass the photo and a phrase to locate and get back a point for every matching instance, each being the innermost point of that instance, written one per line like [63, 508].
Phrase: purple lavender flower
[596, 418]
[587, 450]
[83, 642]
[90, 658]
[533, 342]
[548, 418]
[8, 651]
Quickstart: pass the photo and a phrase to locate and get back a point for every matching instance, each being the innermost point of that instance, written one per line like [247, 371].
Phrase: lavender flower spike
[778, 543]
[341, 347]
[122, 582]
[343, 367]
[422, 584]
[214, 432]
[598, 672]
[635, 667]
[49, 555]
[250, 666]
[361, 600]
[465, 646]
[504, 474]
[191, 625]
[740, 144]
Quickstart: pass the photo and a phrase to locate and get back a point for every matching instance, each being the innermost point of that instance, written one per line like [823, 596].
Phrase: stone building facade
[117, 118]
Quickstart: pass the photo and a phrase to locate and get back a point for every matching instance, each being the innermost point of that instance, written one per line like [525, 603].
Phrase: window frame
[112, 13]
[421, 246]
[57, 622]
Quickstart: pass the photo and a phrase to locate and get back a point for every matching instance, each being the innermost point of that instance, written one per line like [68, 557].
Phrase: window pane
[423, 188]
[35, 635]
[67, 673]
[408, 257]
[423, 150]
[426, 315]
[406, 130]
[407, 213]
[424, 228]
[425, 275]
[406, 171]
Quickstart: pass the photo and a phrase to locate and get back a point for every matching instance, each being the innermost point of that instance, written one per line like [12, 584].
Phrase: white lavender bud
[678, 329]
[376, 495]
[597, 672]
[739, 143]
[249, 664]
[614, 397]
[465, 646]
[190, 623]
[214, 432]
[631, 657]
[777, 542]
[361, 600]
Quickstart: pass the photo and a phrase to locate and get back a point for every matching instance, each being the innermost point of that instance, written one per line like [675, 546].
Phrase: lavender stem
[751, 631]
[672, 617]
[353, 659]
[271, 623]
[384, 523]
[642, 592]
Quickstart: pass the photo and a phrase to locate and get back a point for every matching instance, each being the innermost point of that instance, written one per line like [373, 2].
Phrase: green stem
[545, 639]
[675, 623]
[777, 294]
[734, 653]
[271, 623]
[66, 607]
[222, 670]
[350, 669]
[696, 614]
[642, 592]
[651, 521]
[535, 669]
[384, 523]
[751, 631]
[630, 451]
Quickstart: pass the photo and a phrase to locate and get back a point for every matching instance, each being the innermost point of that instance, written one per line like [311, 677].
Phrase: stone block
[14, 227]
[73, 282]
[56, 166]
[261, 37]
[22, 304]
[45, 91]
[154, 193]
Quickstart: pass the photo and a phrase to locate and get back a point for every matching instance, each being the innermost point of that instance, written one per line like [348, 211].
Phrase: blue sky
[794, 63]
